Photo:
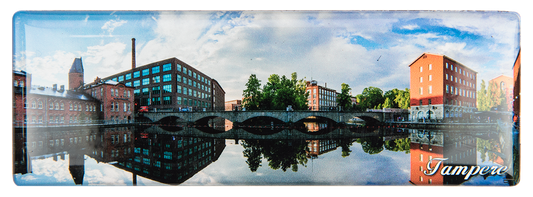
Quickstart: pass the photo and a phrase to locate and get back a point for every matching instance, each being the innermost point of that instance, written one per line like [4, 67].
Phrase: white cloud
[110, 25]
[410, 27]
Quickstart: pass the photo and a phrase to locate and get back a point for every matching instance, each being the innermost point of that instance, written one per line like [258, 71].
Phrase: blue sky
[331, 47]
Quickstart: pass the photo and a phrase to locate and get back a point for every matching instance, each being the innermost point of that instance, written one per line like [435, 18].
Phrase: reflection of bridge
[285, 116]
[282, 134]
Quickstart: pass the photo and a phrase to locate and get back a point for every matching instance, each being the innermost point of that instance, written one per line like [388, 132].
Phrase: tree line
[276, 94]
[280, 92]
[491, 97]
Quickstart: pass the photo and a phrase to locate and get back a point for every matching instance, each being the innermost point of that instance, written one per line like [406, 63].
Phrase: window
[430, 90]
[51, 105]
[33, 105]
[128, 76]
[190, 92]
[136, 83]
[136, 74]
[167, 67]
[185, 101]
[145, 91]
[447, 89]
[156, 90]
[446, 76]
[421, 79]
[146, 81]
[179, 100]
[167, 88]
[429, 78]
[421, 68]
[128, 84]
[167, 100]
[429, 101]
[114, 79]
[185, 90]
[112, 92]
[421, 90]
[456, 91]
[156, 101]
[156, 79]
[178, 89]
[451, 90]
[146, 72]
[167, 77]
[185, 70]
[178, 78]
[194, 75]
[430, 67]
[155, 70]
[136, 92]
[446, 65]
[190, 82]
[194, 84]
[190, 73]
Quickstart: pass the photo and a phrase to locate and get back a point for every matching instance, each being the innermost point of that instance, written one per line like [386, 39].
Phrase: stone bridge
[285, 116]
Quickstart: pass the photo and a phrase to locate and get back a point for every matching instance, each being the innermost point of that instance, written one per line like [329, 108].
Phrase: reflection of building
[171, 159]
[459, 148]
[516, 90]
[504, 84]
[441, 88]
[320, 98]
[318, 147]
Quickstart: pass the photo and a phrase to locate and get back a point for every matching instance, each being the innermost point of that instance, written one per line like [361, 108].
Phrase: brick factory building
[505, 85]
[170, 85]
[442, 89]
[320, 97]
[116, 100]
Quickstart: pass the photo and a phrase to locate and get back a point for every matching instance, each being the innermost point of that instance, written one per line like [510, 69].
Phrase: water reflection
[175, 154]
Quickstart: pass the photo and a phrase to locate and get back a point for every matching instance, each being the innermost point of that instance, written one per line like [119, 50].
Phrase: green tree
[370, 98]
[482, 97]
[387, 103]
[403, 99]
[280, 92]
[491, 96]
[344, 100]
[252, 94]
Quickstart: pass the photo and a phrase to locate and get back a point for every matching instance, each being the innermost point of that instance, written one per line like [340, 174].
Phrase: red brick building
[19, 97]
[320, 98]
[116, 100]
[442, 89]
[505, 85]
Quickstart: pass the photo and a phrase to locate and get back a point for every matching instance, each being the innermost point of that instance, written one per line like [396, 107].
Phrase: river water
[180, 155]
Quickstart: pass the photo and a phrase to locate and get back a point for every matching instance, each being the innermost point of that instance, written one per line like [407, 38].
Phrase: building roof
[21, 72]
[77, 66]
[67, 94]
[426, 53]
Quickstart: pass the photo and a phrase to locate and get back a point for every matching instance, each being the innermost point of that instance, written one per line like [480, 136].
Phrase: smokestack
[132, 53]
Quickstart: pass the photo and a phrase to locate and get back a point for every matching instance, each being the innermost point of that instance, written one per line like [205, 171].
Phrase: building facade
[320, 97]
[233, 105]
[171, 85]
[116, 100]
[442, 89]
[52, 106]
[505, 85]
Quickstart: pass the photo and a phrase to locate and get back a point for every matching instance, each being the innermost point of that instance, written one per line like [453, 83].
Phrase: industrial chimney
[132, 53]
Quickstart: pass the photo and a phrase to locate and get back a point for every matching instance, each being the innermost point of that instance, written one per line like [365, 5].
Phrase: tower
[75, 75]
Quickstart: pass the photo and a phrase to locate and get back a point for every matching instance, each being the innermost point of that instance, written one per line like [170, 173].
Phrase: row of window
[166, 77]
[115, 107]
[17, 83]
[461, 71]
[460, 81]
[58, 119]
[61, 142]
[61, 106]
[461, 92]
